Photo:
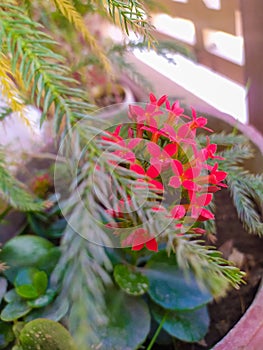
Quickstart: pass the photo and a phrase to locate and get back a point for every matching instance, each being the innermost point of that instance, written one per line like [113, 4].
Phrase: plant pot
[248, 331]
[120, 108]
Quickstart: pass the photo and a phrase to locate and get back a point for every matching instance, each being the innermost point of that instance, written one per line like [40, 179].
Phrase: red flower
[140, 238]
[152, 173]
[161, 157]
[199, 122]
[113, 136]
[216, 176]
[178, 212]
[210, 150]
[156, 102]
[198, 203]
[183, 177]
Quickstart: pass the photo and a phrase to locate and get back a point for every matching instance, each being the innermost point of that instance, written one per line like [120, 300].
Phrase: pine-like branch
[69, 11]
[82, 279]
[247, 198]
[223, 139]
[42, 70]
[14, 192]
[206, 261]
[132, 15]
[8, 91]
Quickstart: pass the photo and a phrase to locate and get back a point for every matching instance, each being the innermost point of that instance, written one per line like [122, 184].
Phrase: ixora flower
[161, 149]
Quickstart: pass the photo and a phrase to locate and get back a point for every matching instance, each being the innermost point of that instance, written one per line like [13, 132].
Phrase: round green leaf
[27, 291]
[189, 326]
[14, 311]
[6, 334]
[30, 283]
[46, 335]
[43, 300]
[12, 296]
[40, 281]
[55, 311]
[3, 287]
[170, 287]
[128, 322]
[132, 282]
[26, 251]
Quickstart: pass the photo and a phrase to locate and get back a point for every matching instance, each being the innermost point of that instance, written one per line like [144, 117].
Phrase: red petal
[158, 209]
[153, 171]
[154, 149]
[193, 113]
[139, 111]
[152, 245]
[170, 149]
[191, 173]
[157, 184]
[204, 199]
[195, 213]
[177, 167]
[206, 215]
[138, 169]
[201, 121]
[212, 148]
[117, 130]
[221, 175]
[133, 143]
[213, 189]
[161, 100]
[198, 230]
[178, 212]
[152, 98]
[175, 182]
[191, 186]
[137, 247]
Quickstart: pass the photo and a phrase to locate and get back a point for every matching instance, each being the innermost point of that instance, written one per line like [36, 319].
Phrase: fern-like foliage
[68, 10]
[13, 192]
[82, 279]
[8, 90]
[206, 261]
[223, 139]
[246, 189]
[132, 15]
[42, 71]
[247, 199]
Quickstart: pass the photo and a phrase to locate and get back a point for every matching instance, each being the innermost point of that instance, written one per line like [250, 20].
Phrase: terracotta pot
[117, 109]
[247, 334]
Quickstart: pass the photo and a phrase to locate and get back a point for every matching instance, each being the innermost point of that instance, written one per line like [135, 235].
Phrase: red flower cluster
[174, 162]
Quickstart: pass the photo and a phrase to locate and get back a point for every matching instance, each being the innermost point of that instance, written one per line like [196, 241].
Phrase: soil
[246, 250]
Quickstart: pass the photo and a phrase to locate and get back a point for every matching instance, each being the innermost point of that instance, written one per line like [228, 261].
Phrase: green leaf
[15, 310]
[43, 300]
[189, 326]
[132, 282]
[40, 281]
[27, 291]
[128, 322]
[6, 334]
[56, 229]
[12, 296]
[28, 251]
[170, 287]
[55, 311]
[3, 287]
[30, 283]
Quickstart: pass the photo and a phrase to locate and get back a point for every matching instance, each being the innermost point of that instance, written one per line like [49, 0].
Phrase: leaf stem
[158, 330]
